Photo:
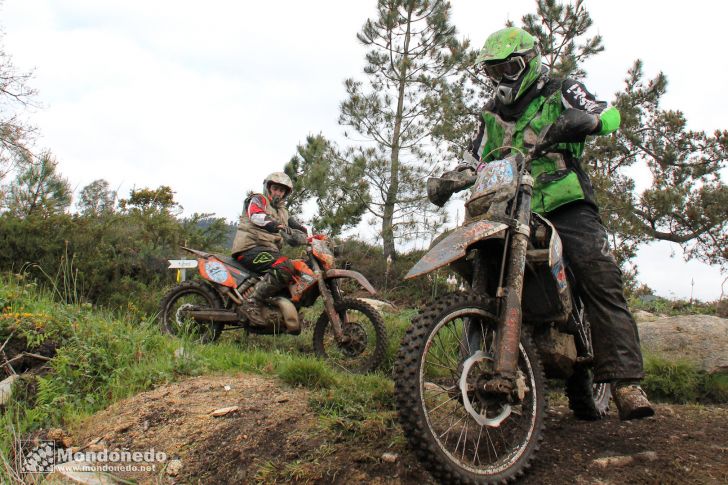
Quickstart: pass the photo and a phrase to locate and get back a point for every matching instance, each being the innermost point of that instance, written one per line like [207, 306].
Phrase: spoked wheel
[460, 433]
[174, 317]
[588, 400]
[365, 337]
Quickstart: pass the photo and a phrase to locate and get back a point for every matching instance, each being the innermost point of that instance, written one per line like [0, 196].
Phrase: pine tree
[337, 184]
[412, 51]
[15, 134]
[687, 201]
[39, 190]
[96, 198]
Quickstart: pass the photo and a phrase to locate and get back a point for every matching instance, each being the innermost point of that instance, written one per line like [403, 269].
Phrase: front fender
[455, 246]
[355, 275]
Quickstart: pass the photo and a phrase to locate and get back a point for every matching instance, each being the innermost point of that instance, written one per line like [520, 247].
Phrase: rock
[174, 467]
[612, 461]
[379, 305]
[6, 389]
[624, 460]
[390, 457]
[646, 456]
[223, 411]
[643, 316]
[226, 387]
[701, 339]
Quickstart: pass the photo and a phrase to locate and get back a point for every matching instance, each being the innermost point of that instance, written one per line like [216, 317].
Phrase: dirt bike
[350, 333]
[469, 375]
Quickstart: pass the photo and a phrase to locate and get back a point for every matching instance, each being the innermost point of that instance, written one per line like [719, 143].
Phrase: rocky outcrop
[701, 339]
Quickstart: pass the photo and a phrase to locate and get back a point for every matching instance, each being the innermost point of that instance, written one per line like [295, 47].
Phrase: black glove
[574, 125]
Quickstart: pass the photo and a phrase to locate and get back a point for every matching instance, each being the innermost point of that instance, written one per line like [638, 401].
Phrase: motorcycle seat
[232, 262]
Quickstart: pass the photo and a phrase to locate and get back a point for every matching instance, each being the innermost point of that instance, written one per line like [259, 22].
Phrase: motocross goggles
[510, 69]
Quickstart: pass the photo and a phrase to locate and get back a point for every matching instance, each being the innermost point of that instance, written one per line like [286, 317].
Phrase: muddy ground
[273, 436]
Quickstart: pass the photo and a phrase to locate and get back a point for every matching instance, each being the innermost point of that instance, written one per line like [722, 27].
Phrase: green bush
[682, 382]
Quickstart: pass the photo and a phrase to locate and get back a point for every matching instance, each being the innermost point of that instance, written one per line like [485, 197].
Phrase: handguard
[295, 237]
[440, 189]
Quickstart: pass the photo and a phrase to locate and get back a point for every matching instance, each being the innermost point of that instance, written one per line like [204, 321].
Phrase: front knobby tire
[190, 295]
[445, 437]
[365, 350]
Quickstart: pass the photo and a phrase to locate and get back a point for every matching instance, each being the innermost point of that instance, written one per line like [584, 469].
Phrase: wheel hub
[181, 313]
[355, 339]
[465, 389]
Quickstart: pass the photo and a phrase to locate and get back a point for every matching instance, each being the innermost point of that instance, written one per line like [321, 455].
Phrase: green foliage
[559, 28]
[682, 382]
[338, 185]
[687, 201]
[96, 198]
[146, 200]
[665, 306]
[15, 135]
[38, 189]
[117, 259]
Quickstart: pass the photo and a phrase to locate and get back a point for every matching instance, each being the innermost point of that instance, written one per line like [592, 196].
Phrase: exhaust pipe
[206, 316]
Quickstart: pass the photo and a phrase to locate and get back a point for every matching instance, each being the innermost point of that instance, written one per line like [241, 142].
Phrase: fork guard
[455, 246]
[355, 275]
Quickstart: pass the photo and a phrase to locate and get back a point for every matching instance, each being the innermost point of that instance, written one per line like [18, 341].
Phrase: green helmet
[510, 58]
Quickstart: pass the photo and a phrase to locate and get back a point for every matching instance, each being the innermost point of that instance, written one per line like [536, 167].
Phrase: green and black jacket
[558, 176]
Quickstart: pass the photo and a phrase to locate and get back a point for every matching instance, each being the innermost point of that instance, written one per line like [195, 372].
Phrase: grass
[682, 382]
[102, 357]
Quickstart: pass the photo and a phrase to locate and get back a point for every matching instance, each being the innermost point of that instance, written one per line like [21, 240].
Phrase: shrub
[682, 382]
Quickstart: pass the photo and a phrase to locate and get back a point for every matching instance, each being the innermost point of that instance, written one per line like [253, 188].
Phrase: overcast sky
[209, 97]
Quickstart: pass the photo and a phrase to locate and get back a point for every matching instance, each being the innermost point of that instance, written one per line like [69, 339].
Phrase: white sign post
[182, 265]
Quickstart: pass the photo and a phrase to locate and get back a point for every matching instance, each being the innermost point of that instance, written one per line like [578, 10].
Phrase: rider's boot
[263, 289]
[631, 400]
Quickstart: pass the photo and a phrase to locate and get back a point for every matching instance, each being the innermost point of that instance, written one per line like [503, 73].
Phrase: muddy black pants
[616, 342]
[262, 260]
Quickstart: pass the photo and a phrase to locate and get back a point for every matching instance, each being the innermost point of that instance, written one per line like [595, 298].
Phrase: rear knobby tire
[368, 346]
[189, 294]
[427, 403]
[588, 401]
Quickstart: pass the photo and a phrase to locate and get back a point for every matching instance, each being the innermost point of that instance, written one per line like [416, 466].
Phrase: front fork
[508, 334]
[329, 302]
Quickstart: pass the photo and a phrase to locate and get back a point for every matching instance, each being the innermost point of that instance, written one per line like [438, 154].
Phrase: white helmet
[279, 178]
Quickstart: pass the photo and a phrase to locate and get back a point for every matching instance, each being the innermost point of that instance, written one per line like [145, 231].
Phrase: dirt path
[273, 436]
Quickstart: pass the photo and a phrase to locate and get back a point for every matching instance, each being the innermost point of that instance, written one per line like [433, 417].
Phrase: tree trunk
[391, 199]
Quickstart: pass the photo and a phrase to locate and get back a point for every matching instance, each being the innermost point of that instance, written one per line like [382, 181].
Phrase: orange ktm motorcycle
[350, 333]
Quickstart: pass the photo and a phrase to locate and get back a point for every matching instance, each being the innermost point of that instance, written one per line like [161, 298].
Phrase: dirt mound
[273, 436]
[176, 419]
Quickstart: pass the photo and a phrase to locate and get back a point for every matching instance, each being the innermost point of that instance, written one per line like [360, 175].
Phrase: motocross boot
[263, 289]
[631, 400]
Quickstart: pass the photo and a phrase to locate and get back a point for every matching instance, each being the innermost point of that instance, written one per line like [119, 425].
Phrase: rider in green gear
[526, 102]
